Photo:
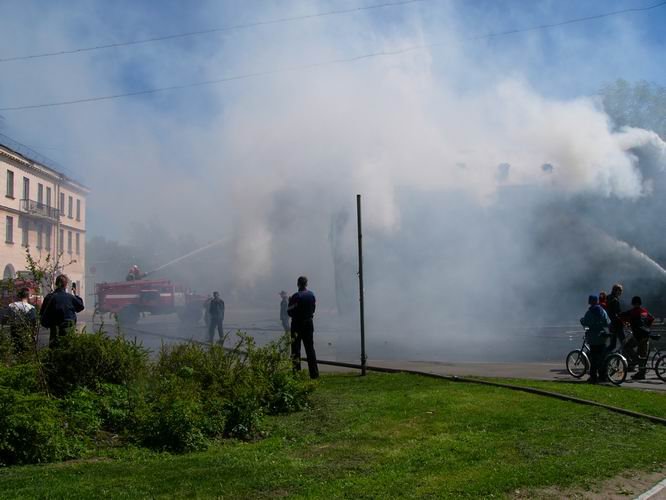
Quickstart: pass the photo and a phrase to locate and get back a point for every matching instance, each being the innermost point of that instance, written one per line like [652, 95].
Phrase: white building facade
[43, 211]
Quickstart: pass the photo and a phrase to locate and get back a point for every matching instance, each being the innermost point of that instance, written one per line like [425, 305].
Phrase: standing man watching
[596, 321]
[22, 321]
[301, 309]
[614, 309]
[59, 309]
[216, 317]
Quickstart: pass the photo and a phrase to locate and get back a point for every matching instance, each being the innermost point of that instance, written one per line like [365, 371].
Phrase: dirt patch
[628, 485]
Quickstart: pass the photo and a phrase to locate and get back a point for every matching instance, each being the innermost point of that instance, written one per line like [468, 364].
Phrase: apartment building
[42, 210]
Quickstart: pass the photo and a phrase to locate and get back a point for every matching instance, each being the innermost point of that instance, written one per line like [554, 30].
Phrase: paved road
[153, 331]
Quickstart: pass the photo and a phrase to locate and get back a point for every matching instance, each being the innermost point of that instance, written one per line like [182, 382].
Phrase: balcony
[37, 209]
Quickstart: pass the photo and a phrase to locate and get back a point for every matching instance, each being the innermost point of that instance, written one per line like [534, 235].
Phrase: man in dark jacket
[58, 312]
[216, 317]
[640, 321]
[596, 322]
[301, 309]
[614, 308]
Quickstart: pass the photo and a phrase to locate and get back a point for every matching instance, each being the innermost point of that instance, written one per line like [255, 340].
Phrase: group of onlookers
[605, 322]
[57, 313]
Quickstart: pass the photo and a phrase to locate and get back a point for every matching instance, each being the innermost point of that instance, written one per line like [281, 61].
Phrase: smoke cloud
[479, 183]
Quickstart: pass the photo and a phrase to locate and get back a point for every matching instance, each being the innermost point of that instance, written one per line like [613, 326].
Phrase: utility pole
[360, 282]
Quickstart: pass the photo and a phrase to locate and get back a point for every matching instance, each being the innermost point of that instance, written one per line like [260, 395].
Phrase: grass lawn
[624, 397]
[381, 436]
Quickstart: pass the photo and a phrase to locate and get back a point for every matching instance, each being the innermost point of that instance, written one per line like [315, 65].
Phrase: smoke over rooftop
[480, 170]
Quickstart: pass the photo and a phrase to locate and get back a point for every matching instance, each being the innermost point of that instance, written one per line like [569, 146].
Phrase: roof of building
[29, 155]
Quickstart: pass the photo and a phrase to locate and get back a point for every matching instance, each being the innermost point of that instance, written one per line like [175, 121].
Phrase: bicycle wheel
[655, 357]
[660, 368]
[616, 368]
[577, 363]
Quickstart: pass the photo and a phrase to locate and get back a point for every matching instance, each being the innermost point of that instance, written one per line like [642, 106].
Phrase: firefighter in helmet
[135, 273]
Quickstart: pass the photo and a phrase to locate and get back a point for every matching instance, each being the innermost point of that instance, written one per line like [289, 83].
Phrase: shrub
[31, 429]
[81, 411]
[117, 406]
[175, 420]
[280, 389]
[93, 360]
[24, 377]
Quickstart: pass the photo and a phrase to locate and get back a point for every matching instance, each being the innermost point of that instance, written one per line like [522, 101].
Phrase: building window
[40, 194]
[61, 207]
[70, 207]
[48, 238]
[48, 197]
[40, 229]
[26, 188]
[9, 229]
[69, 242]
[61, 243]
[25, 227]
[10, 184]
[78, 210]
[78, 243]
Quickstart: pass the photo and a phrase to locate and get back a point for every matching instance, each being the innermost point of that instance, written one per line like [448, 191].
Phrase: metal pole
[360, 282]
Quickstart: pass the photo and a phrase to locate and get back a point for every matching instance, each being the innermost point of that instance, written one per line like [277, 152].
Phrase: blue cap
[593, 299]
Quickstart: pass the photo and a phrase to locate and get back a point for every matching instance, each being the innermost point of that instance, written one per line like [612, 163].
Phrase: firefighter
[216, 317]
[284, 314]
[22, 320]
[301, 309]
[596, 321]
[135, 273]
[59, 309]
[640, 321]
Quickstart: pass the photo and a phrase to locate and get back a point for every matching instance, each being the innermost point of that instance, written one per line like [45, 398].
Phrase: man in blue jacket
[596, 321]
[301, 309]
[58, 312]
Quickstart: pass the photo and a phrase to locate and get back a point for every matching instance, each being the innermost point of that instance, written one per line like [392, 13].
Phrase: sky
[566, 61]
[272, 163]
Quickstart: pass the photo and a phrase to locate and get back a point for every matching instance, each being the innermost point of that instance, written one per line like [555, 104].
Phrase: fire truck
[129, 299]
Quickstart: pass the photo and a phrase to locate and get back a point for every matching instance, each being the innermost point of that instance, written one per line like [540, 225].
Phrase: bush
[175, 420]
[31, 429]
[107, 387]
[93, 360]
[24, 377]
[81, 410]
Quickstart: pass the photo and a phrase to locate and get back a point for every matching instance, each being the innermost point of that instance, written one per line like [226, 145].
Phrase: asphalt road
[531, 354]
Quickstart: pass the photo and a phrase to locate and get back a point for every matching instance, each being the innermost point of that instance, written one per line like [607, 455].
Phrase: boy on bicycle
[596, 321]
[640, 321]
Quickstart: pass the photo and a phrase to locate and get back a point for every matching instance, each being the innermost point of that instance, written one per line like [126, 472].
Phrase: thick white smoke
[463, 161]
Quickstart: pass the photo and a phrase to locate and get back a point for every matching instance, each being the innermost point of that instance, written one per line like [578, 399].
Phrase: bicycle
[616, 365]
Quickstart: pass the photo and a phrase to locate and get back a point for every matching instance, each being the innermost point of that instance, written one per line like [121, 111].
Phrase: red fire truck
[128, 299]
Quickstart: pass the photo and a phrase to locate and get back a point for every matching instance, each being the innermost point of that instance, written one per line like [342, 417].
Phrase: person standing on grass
[59, 309]
[216, 317]
[596, 321]
[301, 309]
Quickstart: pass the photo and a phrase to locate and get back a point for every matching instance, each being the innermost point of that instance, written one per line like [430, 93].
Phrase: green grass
[651, 403]
[382, 436]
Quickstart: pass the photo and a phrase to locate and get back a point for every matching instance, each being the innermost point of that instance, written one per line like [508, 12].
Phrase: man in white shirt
[22, 321]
